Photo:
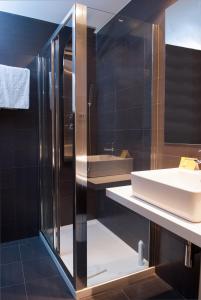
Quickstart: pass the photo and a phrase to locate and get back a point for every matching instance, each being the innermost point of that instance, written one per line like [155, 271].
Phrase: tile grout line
[10, 286]
[23, 272]
[10, 263]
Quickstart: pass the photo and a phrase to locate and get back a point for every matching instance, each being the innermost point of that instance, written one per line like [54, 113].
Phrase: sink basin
[175, 190]
[108, 165]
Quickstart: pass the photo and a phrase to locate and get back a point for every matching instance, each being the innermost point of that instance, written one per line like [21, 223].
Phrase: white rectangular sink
[175, 190]
[106, 165]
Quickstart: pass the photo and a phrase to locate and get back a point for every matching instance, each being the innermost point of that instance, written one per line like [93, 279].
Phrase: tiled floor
[28, 273]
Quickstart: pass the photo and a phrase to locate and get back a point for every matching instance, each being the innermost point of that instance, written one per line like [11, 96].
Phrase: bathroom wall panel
[171, 255]
[124, 63]
[146, 10]
[171, 248]
[131, 97]
[66, 193]
[130, 227]
[20, 38]
[182, 91]
[122, 107]
[19, 199]
[171, 266]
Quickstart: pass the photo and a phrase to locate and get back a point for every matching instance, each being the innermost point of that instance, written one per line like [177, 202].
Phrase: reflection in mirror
[46, 181]
[183, 72]
[67, 98]
[119, 51]
[67, 171]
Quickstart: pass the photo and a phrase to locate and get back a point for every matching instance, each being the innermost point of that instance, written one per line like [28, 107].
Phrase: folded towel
[14, 87]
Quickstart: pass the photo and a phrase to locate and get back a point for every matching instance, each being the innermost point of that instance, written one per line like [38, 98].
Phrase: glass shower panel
[46, 154]
[67, 148]
[119, 68]
[63, 138]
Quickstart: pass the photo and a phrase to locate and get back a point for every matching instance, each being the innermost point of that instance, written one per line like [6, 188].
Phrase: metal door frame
[78, 15]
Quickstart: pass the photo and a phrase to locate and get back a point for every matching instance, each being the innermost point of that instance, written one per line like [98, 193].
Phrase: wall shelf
[99, 183]
[181, 227]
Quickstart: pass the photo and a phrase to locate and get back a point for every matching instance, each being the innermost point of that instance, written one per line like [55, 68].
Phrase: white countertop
[181, 227]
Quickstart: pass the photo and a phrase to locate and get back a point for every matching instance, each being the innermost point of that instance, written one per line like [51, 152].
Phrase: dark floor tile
[151, 288]
[32, 248]
[9, 254]
[170, 295]
[13, 293]
[39, 268]
[114, 295]
[52, 288]
[11, 274]
[7, 244]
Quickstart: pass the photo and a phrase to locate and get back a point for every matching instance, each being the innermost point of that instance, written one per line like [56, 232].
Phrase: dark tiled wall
[20, 40]
[123, 113]
[114, 97]
[124, 89]
[171, 266]
[182, 91]
[19, 169]
[146, 10]
[171, 248]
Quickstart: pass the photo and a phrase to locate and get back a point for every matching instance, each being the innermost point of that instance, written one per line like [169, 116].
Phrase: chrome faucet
[112, 149]
[198, 161]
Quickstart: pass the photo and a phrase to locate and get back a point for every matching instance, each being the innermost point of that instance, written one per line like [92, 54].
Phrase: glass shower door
[63, 148]
[46, 151]
[67, 147]
[119, 141]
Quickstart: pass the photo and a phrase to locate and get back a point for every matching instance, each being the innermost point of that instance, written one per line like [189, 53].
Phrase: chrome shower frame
[78, 17]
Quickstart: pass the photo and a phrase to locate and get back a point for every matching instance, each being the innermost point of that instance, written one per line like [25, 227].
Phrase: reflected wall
[168, 155]
[119, 141]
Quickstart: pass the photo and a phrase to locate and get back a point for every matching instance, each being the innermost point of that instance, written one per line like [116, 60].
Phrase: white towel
[14, 87]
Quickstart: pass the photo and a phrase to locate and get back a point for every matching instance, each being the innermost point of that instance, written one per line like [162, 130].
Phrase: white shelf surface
[181, 227]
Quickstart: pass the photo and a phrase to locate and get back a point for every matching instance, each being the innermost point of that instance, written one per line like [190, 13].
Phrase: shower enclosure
[94, 88]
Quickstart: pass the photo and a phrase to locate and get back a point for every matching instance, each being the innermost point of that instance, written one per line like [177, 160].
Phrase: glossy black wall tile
[182, 91]
[124, 64]
[123, 99]
[21, 39]
[171, 266]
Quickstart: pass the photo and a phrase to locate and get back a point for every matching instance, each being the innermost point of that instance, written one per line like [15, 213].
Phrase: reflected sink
[68, 151]
[175, 190]
[108, 165]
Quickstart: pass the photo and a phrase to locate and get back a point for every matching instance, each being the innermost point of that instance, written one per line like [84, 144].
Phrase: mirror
[183, 72]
